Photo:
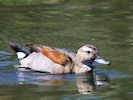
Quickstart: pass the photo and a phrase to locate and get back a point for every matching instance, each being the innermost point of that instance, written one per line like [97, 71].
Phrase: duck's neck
[82, 64]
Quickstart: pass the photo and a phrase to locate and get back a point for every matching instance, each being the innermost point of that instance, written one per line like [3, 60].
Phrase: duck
[52, 60]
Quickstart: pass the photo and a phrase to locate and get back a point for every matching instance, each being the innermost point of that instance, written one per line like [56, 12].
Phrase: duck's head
[87, 52]
[88, 55]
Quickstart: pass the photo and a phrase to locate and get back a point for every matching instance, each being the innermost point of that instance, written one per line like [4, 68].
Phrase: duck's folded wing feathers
[53, 54]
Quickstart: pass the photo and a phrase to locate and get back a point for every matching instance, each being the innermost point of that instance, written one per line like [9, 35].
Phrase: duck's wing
[68, 52]
[53, 54]
[35, 47]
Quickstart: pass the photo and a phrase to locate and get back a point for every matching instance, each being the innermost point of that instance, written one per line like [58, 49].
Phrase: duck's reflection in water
[86, 83]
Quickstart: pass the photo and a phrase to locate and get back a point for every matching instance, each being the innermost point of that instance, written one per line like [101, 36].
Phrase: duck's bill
[100, 61]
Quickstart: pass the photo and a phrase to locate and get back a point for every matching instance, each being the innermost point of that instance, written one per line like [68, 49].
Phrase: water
[69, 24]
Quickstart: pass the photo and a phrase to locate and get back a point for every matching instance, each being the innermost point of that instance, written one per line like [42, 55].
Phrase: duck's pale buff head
[87, 52]
[86, 56]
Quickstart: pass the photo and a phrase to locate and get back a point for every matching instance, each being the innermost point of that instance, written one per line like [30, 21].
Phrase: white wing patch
[21, 55]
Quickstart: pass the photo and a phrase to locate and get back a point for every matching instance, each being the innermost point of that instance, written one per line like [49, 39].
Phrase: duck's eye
[88, 52]
[95, 49]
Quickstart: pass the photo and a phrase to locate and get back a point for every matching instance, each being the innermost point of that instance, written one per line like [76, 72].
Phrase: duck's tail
[21, 51]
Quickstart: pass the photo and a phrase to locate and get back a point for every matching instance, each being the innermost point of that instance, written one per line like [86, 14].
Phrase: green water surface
[107, 24]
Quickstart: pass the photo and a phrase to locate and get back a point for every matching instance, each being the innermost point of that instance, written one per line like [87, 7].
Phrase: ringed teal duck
[56, 61]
